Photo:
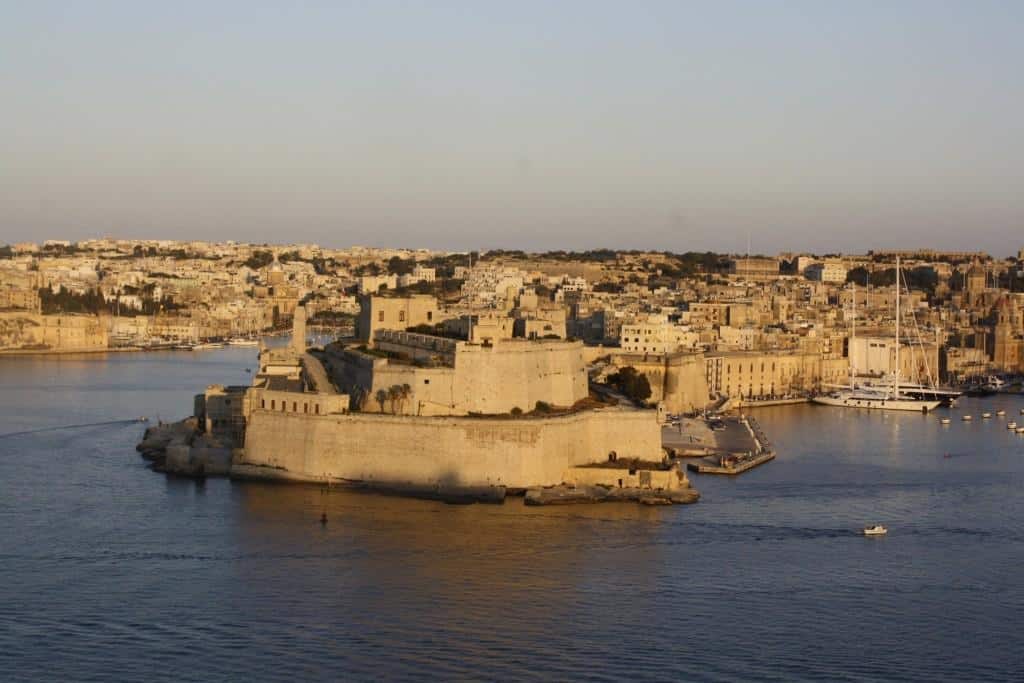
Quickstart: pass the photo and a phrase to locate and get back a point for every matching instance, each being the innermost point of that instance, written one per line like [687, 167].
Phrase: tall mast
[896, 377]
[853, 336]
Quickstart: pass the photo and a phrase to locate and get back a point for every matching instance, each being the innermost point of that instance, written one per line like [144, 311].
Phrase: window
[426, 381]
[295, 407]
[317, 407]
[430, 315]
[401, 316]
[380, 316]
[305, 407]
[263, 403]
[273, 405]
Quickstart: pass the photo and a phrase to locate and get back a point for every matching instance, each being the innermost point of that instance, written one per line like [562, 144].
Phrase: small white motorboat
[945, 421]
[875, 530]
[1000, 413]
[1020, 430]
[1011, 425]
[966, 418]
[986, 416]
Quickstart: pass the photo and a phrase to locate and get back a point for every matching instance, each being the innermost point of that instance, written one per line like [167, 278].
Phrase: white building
[371, 284]
[829, 272]
[418, 274]
[574, 284]
[657, 335]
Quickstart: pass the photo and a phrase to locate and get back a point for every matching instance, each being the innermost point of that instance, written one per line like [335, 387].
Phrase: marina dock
[733, 446]
[730, 464]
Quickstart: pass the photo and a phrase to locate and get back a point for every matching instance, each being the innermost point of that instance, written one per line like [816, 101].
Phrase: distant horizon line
[284, 245]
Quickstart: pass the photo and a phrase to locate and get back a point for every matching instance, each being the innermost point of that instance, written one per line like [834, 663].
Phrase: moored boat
[875, 530]
[859, 398]
[891, 396]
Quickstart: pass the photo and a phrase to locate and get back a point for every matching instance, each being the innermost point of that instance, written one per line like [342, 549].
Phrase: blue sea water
[109, 571]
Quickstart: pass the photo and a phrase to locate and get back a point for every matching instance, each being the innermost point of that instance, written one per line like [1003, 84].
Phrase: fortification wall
[486, 379]
[677, 379]
[518, 374]
[385, 450]
[63, 332]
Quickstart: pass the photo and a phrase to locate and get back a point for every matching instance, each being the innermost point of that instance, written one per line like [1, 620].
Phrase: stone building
[754, 269]
[453, 377]
[447, 422]
[394, 313]
[65, 332]
[1005, 341]
[832, 272]
[876, 356]
[770, 374]
[657, 335]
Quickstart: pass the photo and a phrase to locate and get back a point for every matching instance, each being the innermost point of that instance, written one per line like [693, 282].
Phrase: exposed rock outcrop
[178, 448]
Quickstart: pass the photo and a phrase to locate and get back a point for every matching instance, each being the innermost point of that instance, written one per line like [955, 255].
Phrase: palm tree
[381, 397]
[394, 392]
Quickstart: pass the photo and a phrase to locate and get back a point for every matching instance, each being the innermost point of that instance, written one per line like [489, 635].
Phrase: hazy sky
[818, 125]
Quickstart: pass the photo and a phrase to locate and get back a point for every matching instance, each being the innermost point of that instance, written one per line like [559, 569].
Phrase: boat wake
[43, 430]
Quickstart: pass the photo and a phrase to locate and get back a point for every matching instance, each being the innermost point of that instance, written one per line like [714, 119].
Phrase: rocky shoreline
[179, 448]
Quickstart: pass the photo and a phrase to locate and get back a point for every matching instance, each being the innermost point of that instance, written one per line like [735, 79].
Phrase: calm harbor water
[111, 572]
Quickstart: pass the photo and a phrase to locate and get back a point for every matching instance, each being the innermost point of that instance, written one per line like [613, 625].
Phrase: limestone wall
[514, 374]
[387, 450]
[394, 313]
[488, 379]
[63, 332]
[297, 402]
[677, 379]
[653, 479]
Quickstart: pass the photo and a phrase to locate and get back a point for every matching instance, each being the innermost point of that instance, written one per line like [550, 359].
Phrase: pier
[732, 446]
[730, 464]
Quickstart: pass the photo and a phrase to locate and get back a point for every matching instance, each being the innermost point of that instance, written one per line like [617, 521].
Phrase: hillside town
[699, 328]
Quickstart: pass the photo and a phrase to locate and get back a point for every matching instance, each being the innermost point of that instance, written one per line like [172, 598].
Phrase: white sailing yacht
[877, 398]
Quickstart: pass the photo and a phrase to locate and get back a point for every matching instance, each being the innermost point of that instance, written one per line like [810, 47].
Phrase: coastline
[69, 352]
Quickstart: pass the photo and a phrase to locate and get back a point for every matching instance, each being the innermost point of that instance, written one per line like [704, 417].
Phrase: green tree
[259, 259]
[633, 384]
[400, 266]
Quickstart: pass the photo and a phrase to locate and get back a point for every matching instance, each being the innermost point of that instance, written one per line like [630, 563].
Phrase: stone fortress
[410, 412]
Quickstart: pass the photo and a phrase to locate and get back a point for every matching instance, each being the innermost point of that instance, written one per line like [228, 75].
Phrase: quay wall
[386, 450]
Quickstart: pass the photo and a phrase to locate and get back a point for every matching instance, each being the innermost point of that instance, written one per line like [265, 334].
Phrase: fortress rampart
[405, 451]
